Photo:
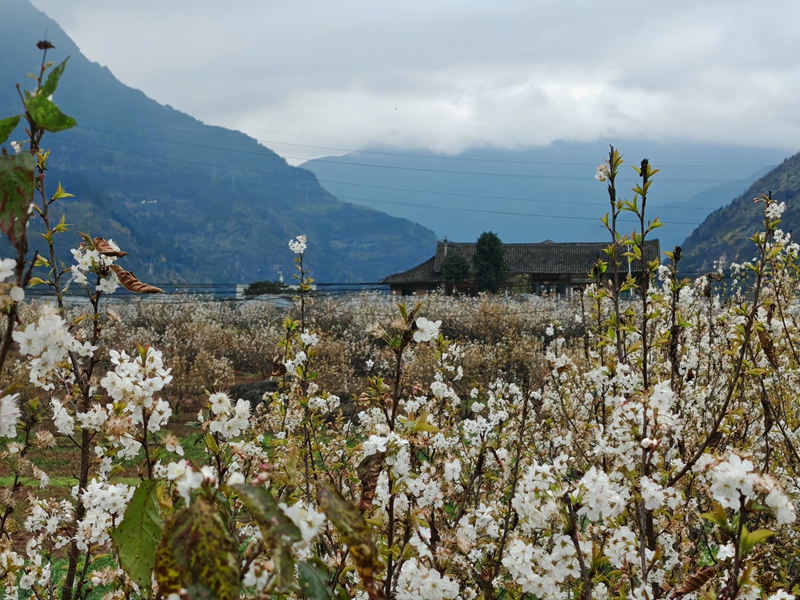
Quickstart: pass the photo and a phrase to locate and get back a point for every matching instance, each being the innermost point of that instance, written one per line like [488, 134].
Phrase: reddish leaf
[104, 248]
[130, 283]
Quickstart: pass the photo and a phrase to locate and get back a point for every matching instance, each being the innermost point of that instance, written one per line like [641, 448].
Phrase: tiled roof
[545, 258]
[420, 274]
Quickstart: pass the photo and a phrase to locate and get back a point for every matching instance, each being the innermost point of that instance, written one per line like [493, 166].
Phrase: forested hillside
[190, 202]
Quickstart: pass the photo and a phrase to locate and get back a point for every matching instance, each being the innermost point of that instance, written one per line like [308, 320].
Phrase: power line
[502, 212]
[510, 175]
[495, 160]
[568, 217]
[399, 189]
[428, 170]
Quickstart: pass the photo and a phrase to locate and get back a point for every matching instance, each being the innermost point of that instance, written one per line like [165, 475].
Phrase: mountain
[189, 202]
[724, 235]
[543, 193]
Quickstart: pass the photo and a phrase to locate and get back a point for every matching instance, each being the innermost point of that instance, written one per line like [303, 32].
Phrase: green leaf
[421, 424]
[750, 539]
[62, 226]
[136, 537]
[278, 530]
[718, 516]
[198, 552]
[34, 281]
[312, 577]
[17, 185]
[211, 443]
[51, 84]
[7, 126]
[61, 193]
[47, 115]
[355, 532]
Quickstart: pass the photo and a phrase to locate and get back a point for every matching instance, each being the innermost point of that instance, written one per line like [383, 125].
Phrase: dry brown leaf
[130, 283]
[694, 582]
[766, 345]
[106, 249]
[368, 472]
[279, 369]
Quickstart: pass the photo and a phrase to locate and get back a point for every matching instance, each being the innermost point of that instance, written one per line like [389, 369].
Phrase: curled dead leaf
[130, 283]
[767, 347]
[368, 472]
[106, 249]
[694, 582]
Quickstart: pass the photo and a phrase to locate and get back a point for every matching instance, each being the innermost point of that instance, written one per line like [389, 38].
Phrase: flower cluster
[91, 260]
[228, 420]
[48, 341]
[298, 245]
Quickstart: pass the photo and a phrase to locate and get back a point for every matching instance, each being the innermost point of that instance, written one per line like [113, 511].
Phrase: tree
[455, 269]
[265, 287]
[489, 262]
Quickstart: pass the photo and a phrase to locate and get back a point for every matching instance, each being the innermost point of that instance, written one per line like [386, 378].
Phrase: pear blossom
[426, 330]
[298, 245]
[309, 339]
[9, 415]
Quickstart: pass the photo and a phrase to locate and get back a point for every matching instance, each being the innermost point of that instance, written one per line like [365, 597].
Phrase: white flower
[188, 482]
[176, 469]
[309, 339]
[64, 422]
[17, 294]
[782, 505]
[17, 146]
[298, 246]
[426, 330]
[7, 266]
[725, 552]
[602, 172]
[78, 276]
[9, 416]
[306, 518]
[172, 445]
[235, 479]
[652, 494]
[375, 443]
[220, 403]
[109, 285]
[452, 470]
[775, 210]
[417, 582]
[731, 480]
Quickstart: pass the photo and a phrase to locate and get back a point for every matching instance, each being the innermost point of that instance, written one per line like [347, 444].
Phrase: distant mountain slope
[543, 193]
[190, 202]
[724, 235]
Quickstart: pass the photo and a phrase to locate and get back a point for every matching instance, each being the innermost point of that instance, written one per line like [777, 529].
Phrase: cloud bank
[311, 77]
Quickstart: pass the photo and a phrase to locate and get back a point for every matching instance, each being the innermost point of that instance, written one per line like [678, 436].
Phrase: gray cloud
[452, 75]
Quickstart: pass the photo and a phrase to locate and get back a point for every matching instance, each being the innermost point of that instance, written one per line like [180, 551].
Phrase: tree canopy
[455, 269]
[489, 262]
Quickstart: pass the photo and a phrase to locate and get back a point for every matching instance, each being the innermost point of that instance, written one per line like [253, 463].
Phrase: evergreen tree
[489, 262]
[455, 269]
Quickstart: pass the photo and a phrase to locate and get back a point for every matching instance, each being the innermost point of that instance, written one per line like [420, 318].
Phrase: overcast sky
[308, 76]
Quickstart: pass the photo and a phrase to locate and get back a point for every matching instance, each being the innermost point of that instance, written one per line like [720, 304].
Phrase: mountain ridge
[543, 193]
[724, 236]
[192, 202]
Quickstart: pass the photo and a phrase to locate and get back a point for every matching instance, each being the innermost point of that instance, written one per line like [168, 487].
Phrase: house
[544, 268]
